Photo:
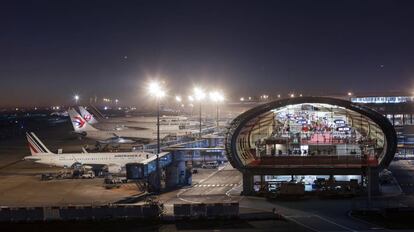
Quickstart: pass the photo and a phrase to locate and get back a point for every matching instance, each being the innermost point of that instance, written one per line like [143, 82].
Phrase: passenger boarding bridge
[177, 161]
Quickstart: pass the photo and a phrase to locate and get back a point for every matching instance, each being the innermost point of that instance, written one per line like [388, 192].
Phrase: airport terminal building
[308, 138]
[399, 110]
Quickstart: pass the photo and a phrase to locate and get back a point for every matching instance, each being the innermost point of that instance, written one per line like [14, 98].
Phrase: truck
[88, 175]
[288, 190]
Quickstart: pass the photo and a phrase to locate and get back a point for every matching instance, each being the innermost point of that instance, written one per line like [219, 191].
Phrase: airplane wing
[139, 137]
[137, 128]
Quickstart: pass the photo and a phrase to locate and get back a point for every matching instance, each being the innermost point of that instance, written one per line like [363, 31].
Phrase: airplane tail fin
[87, 116]
[35, 145]
[98, 114]
[79, 124]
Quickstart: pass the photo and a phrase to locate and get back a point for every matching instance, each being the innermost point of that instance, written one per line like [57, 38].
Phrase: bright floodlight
[156, 90]
[76, 97]
[191, 98]
[178, 98]
[216, 96]
[199, 94]
[349, 94]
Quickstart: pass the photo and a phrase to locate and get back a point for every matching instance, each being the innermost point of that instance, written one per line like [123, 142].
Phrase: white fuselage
[67, 160]
[139, 134]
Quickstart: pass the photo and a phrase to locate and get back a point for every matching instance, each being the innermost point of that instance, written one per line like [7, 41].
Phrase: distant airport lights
[76, 98]
[264, 97]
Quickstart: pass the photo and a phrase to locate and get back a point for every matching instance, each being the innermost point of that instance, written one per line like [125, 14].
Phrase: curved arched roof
[238, 153]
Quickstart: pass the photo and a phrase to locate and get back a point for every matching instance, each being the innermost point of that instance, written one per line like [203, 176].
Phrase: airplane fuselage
[68, 160]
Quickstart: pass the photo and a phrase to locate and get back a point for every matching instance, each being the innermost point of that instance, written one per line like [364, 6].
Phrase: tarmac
[21, 185]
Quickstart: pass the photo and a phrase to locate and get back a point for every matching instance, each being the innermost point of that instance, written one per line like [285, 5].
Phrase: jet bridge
[176, 162]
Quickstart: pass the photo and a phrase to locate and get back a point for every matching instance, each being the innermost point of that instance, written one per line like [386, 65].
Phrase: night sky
[50, 50]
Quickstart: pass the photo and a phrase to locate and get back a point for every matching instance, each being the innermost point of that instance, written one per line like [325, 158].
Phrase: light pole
[217, 97]
[191, 100]
[178, 99]
[155, 90]
[199, 96]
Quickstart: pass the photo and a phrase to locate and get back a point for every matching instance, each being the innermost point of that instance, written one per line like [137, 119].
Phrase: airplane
[166, 122]
[168, 127]
[113, 162]
[84, 129]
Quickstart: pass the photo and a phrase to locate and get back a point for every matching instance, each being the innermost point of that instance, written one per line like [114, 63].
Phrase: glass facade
[310, 130]
[271, 183]
[380, 100]
[400, 119]
[407, 119]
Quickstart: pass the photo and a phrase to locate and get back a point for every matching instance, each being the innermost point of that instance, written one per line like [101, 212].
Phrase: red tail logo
[79, 122]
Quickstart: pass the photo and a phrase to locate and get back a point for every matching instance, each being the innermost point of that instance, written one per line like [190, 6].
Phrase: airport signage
[344, 128]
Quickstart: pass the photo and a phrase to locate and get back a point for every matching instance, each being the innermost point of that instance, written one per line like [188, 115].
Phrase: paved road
[211, 188]
[313, 214]
[403, 171]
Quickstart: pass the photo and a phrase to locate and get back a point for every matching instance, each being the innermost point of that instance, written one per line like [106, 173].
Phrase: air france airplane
[114, 162]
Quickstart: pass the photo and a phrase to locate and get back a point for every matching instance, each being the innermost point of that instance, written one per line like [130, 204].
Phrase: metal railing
[347, 161]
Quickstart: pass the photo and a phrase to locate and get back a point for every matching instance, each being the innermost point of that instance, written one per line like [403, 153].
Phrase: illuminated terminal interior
[311, 182]
[309, 130]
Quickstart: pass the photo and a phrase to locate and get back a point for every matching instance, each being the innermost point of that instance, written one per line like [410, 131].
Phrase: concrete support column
[373, 181]
[247, 184]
